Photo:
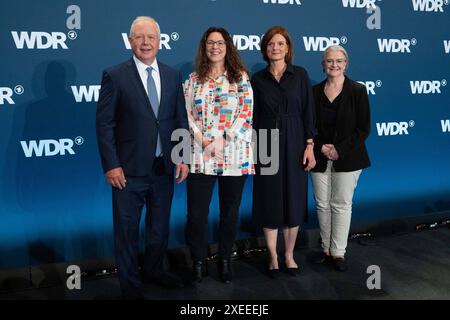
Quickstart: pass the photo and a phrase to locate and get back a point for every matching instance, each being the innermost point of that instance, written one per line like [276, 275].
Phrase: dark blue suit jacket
[126, 125]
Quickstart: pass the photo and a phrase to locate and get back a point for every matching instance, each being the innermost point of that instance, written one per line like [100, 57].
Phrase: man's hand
[116, 178]
[181, 172]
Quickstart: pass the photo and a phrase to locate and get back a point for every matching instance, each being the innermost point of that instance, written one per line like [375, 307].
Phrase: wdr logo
[359, 4]
[50, 147]
[445, 125]
[394, 128]
[42, 40]
[371, 85]
[396, 45]
[447, 46]
[427, 86]
[6, 94]
[163, 43]
[321, 43]
[429, 5]
[86, 93]
[46, 40]
[297, 2]
[250, 42]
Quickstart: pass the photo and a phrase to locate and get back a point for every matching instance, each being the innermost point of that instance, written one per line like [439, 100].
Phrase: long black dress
[280, 200]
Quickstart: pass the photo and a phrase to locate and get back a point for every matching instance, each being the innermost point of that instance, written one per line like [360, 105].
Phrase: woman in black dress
[282, 100]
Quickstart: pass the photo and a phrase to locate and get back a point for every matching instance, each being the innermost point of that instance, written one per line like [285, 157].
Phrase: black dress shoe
[224, 268]
[199, 271]
[166, 279]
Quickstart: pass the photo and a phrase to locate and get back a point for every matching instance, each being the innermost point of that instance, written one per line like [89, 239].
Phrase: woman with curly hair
[219, 103]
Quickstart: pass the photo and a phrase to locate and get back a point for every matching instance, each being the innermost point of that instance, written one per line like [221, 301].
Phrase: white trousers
[333, 192]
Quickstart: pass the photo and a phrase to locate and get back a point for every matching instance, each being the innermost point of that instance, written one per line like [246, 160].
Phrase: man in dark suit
[141, 103]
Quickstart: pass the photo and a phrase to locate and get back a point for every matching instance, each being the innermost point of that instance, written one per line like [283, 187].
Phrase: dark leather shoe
[340, 264]
[322, 258]
[199, 271]
[166, 279]
[225, 273]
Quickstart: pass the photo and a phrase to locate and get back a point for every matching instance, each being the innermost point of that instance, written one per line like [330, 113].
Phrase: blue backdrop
[54, 202]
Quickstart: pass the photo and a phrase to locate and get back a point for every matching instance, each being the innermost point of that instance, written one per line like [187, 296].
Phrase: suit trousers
[333, 193]
[199, 192]
[155, 192]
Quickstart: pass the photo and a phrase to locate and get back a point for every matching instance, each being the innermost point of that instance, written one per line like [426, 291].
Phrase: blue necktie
[153, 97]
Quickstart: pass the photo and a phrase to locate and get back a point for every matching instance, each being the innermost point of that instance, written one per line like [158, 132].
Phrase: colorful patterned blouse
[215, 108]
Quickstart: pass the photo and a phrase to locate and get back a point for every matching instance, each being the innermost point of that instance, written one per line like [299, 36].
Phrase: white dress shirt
[142, 69]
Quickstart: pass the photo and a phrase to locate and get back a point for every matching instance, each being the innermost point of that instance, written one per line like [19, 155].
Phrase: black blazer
[352, 128]
[126, 125]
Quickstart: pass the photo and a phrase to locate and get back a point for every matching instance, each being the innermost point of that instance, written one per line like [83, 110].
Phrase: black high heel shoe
[273, 273]
[292, 271]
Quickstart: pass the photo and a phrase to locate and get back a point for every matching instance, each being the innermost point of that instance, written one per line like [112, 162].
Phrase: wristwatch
[310, 143]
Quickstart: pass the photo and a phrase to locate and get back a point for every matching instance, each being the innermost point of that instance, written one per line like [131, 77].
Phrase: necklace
[214, 74]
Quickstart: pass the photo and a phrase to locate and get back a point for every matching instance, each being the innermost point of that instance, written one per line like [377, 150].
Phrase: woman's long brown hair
[233, 63]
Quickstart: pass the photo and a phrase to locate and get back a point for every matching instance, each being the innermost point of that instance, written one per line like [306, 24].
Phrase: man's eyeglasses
[219, 43]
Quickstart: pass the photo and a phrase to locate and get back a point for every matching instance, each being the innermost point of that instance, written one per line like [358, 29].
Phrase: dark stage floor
[412, 266]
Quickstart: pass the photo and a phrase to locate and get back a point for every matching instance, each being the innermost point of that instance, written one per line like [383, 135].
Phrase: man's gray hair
[144, 18]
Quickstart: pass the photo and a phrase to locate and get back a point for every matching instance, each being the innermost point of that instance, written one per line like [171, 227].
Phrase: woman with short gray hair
[343, 124]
